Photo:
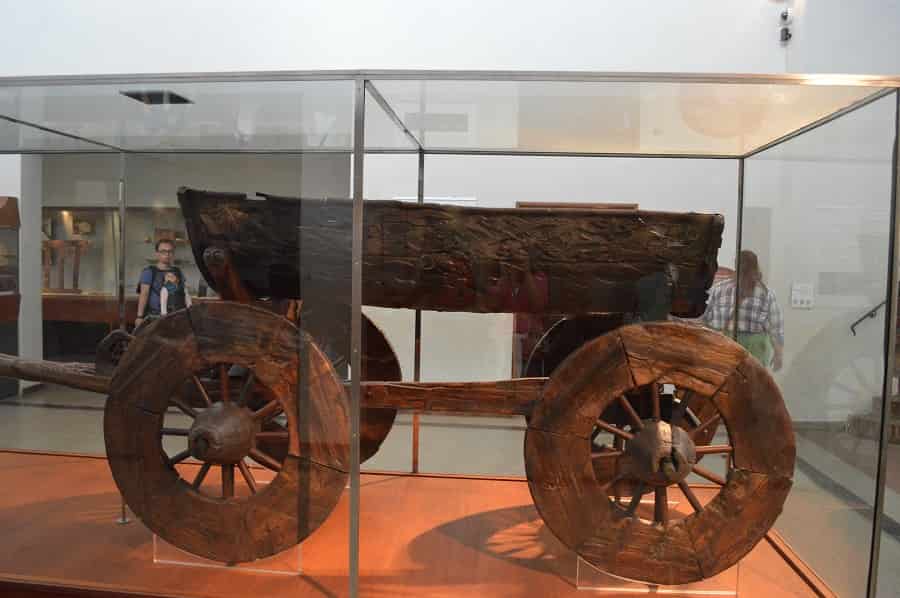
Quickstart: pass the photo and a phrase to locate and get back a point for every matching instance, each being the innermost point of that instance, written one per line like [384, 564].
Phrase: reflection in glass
[747, 307]
[816, 215]
[79, 255]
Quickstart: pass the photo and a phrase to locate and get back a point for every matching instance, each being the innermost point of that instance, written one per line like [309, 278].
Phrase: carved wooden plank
[451, 258]
[73, 375]
[683, 354]
[505, 397]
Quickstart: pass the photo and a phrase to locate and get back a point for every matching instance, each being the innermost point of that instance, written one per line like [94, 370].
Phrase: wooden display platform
[420, 536]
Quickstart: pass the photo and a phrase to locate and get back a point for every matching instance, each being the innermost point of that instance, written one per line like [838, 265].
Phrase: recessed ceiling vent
[156, 97]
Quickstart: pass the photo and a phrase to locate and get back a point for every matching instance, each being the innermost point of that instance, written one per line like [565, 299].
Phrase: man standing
[161, 276]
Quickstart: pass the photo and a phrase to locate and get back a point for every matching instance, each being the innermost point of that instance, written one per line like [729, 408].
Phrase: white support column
[31, 200]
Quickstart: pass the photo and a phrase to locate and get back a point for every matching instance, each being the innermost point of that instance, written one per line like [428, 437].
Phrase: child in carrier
[162, 287]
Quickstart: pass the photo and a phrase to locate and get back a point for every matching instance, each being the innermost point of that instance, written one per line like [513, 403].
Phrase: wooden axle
[74, 375]
[503, 397]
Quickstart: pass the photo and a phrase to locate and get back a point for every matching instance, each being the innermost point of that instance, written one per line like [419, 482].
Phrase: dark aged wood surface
[575, 505]
[74, 375]
[504, 397]
[451, 258]
[313, 474]
[328, 325]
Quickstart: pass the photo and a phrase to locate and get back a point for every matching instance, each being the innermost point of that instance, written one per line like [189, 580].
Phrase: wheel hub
[660, 454]
[223, 433]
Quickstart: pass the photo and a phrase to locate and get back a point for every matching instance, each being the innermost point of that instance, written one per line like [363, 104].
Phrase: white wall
[835, 36]
[48, 37]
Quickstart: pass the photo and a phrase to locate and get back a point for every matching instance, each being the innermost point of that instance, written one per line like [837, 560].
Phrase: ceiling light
[156, 97]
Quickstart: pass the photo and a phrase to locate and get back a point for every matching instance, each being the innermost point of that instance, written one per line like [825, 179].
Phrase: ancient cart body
[256, 387]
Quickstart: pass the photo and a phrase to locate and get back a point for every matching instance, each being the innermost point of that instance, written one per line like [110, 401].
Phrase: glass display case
[454, 333]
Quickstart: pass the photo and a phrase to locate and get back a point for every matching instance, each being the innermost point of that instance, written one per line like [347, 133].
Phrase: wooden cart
[256, 387]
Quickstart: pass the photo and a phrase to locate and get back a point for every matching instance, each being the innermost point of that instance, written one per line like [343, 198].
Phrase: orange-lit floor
[420, 536]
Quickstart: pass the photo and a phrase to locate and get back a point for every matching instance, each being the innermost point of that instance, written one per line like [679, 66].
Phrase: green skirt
[759, 345]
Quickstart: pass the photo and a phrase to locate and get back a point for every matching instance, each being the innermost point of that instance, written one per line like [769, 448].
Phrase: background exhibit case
[102, 160]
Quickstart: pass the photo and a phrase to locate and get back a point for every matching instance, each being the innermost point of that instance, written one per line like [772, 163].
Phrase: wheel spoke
[202, 390]
[635, 499]
[201, 475]
[268, 411]
[654, 394]
[629, 409]
[607, 454]
[184, 407]
[705, 426]
[713, 449]
[248, 476]
[661, 505]
[179, 457]
[690, 496]
[227, 481]
[245, 390]
[273, 435]
[613, 430]
[223, 382]
[712, 477]
[264, 459]
[174, 431]
[619, 445]
[609, 483]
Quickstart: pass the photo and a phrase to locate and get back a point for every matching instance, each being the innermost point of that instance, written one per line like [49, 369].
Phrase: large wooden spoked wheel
[656, 455]
[236, 519]
[682, 409]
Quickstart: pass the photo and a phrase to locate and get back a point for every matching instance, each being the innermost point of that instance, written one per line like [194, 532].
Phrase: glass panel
[15, 137]
[382, 132]
[517, 262]
[219, 116]
[816, 218]
[496, 346]
[69, 256]
[648, 118]
[888, 576]
[202, 223]
[392, 177]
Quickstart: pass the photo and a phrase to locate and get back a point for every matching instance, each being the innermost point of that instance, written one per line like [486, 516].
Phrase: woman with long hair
[760, 325]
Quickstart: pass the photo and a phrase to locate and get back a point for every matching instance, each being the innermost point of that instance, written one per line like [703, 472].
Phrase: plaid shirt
[757, 313]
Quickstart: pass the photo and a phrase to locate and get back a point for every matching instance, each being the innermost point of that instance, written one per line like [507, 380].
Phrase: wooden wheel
[656, 455]
[681, 407]
[379, 362]
[236, 519]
